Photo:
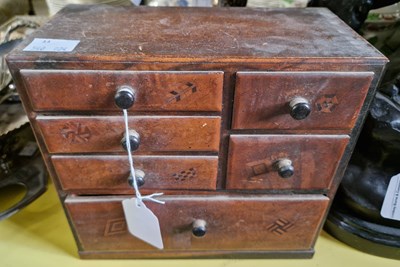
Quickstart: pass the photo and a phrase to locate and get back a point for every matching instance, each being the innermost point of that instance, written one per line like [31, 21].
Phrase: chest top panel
[199, 35]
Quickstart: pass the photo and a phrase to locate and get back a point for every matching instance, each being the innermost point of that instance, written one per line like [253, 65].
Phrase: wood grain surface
[94, 90]
[262, 99]
[252, 161]
[213, 88]
[104, 134]
[110, 173]
[202, 34]
[244, 223]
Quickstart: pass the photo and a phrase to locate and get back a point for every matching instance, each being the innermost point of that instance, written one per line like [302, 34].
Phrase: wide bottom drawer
[232, 223]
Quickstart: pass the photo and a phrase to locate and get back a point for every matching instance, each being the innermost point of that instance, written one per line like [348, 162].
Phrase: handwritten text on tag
[51, 45]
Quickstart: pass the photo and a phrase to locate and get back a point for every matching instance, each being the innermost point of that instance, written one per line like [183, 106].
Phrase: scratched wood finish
[104, 134]
[262, 99]
[163, 47]
[110, 173]
[252, 161]
[245, 223]
[199, 34]
[87, 90]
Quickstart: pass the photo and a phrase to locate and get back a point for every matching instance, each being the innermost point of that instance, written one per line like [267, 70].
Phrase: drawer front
[104, 134]
[51, 90]
[254, 161]
[109, 173]
[232, 223]
[262, 100]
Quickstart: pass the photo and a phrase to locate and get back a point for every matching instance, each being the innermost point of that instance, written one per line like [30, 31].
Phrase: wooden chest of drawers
[247, 119]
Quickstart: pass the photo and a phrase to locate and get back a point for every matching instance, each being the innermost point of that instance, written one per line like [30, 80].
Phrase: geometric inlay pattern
[76, 133]
[327, 103]
[184, 175]
[258, 167]
[181, 92]
[280, 226]
[115, 227]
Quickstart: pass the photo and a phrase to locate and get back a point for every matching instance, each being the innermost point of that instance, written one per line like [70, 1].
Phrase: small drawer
[104, 133]
[274, 162]
[94, 90]
[242, 223]
[299, 100]
[108, 174]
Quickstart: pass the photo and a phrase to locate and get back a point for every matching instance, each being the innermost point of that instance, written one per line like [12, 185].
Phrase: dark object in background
[253, 51]
[233, 3]
[21, 164]
[355, 215]
[20, 161]
[7, 88]
[353, 12]
[10, 8]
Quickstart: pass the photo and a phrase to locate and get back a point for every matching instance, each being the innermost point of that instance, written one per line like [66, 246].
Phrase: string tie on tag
[139, 196]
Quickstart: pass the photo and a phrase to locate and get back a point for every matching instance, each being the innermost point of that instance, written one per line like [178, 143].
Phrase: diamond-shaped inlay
[115, 227]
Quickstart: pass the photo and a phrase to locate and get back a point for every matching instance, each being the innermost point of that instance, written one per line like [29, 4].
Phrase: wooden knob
[285, 168]
[299, 108]
[199, 228]
[139, 175]
[134, 139]
[125, 97]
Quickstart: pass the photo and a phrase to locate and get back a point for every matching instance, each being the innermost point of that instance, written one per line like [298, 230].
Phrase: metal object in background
[355, 215]
[20, 160]
[21, 164]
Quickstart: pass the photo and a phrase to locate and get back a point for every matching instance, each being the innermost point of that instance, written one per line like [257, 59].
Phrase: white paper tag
[142, 222]
[391, 203]
[51, 45]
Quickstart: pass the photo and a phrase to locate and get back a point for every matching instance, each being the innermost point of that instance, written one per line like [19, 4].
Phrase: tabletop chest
[244, 118]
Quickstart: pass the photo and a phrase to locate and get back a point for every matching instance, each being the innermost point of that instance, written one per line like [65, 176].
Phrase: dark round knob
[285, 168]
[139, 175]
[124, 97]
[299, 108]
[199, 228]
[134, 139]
